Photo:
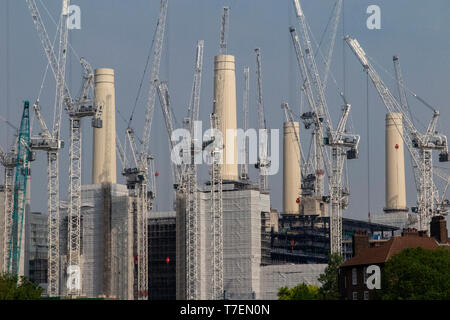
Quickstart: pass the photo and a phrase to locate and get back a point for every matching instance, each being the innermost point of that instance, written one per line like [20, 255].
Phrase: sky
[118, 34]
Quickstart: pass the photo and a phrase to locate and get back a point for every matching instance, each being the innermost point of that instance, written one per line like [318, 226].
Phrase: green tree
[417, 274]
[300, 292]
[329, 289]
[11, 288]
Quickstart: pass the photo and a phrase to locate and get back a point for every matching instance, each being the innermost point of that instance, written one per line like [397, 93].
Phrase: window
[355, 295]
[366, 295]
[354, 277]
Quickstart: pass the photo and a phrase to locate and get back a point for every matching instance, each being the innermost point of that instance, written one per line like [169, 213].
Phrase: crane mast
[141, 178]
[341, 144]
[190, 185]
[224, 31]
[419, 145]
[245, 108]
[216, 215]
[50, 142]
[8, 160]
[23, 158]
[321, 108]
[263, 162]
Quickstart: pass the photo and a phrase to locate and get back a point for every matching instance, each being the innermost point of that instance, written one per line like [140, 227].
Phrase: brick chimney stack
[438, 229]
[410, 232]
[360, 242]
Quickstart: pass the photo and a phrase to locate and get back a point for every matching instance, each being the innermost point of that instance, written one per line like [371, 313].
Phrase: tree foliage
[417, 274]
[329, 289]
[15, 288]
[300, 292]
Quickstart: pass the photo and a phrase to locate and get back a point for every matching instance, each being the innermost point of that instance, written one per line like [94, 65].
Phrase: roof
[393, 246]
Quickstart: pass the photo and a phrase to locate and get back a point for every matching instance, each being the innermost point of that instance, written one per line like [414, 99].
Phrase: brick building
[352, 273]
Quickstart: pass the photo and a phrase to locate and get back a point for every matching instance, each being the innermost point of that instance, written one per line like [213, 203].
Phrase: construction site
[203, 222]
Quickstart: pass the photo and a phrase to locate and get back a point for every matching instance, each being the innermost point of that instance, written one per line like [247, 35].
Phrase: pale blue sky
[117, 34]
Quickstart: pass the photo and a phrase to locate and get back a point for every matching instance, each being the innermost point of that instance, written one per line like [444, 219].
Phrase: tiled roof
[393, 246]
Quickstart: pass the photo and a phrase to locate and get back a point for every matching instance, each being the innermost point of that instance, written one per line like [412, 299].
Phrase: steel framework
[216, 216]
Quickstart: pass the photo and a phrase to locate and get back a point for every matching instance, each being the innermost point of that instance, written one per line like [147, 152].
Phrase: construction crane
[8, 161]
[263, 162]
[334, 23]
[224, 30]
[342, 145]
[320, 109]
[217, 290]
[164, 100]
[141, 179]
[14, 221]
[245, 109]
[420, 145]
[190, 182]
[50, 141]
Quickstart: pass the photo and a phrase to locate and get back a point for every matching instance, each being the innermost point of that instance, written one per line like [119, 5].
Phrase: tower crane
[321, 108]
[164, 100]
[15, 221]
[216, 214]
[420, 145]
[9, 161]
[190, 182]
[224, 31]
[141, 177]
[78, 108]
[245, 109]
[50, 141]
[342, 145]
[263, 161]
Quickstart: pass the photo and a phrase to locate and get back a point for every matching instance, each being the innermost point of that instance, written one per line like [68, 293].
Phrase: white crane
[83, 106]
[141, 177]
[50, 141]
[263, 161]
[341, 144]
[245, 109]
[420, 145]
[224, 31]
[190, 182]
[216, 228]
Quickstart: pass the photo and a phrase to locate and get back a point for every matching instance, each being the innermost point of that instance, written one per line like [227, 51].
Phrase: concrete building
[106, 242]
[104, 141]
[225, 108]
[246, 217]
